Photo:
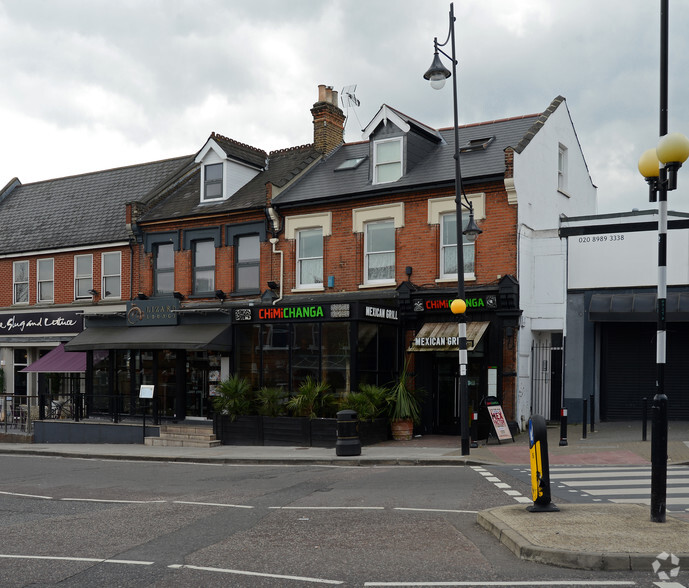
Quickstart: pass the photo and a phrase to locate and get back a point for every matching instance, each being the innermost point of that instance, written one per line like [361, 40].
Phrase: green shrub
[312, 400]
[234, 397]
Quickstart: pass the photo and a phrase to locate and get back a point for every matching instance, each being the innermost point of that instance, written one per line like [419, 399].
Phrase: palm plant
[369, 401]
[234, 397]
[270, 401]
[312, 400]
[404, 400]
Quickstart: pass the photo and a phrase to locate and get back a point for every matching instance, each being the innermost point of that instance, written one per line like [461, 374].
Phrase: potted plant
[312, 400]
[270, 401]
[234, 397]
[235, 421]
[370, 403]
[404, 403]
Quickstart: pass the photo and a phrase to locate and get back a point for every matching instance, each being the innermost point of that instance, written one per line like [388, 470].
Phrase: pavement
[601, 536]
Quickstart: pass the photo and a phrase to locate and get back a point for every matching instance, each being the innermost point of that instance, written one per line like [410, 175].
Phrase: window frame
[213, 182]
[195, 269]
[80, 277]
[466, 244]
[368, 254]
[246, 263]
[377, 165]
[562, 165]
[41, 281]
[157, 271]
[300, 258]
[105, 277]
[16, 283]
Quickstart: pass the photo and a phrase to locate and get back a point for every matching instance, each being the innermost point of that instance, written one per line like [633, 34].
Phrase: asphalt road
[78, 522]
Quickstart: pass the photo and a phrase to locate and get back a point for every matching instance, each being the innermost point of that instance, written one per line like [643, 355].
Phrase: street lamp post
[659, 166]
[437, 74]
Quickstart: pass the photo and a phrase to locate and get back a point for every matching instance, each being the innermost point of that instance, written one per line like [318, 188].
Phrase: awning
[445, 336]
[58, 360]
[639, 307]
[193, 337]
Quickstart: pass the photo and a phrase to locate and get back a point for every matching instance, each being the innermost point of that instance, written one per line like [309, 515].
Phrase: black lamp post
[437, 74]
[671, 152]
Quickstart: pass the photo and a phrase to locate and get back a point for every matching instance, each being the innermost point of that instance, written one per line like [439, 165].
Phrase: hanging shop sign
[41, 323]
[486, 302]
[150, 313]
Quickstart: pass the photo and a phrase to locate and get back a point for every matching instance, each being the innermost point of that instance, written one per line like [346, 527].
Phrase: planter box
[291, 431]
[244, 430]
[375, 431]
[323, 432]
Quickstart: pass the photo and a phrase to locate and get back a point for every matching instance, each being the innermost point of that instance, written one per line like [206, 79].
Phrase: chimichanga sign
[38, 323]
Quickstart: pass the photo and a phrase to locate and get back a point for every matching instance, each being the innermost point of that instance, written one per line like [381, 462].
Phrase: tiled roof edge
[542, 119]
[11, 185]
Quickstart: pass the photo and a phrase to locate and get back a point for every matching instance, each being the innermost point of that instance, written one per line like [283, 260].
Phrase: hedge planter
[323, 432]
[291, 431]
[243, 430]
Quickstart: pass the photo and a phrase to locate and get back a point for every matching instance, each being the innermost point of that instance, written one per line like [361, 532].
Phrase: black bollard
[644, 418]
[593, 412]
[583, 419]
[563, 427]
[540, 470]
[348, 442]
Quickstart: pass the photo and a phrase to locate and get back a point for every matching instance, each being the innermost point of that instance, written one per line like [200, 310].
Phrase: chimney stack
[328, 120]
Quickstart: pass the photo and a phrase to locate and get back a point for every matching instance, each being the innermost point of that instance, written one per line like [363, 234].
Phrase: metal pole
[584, 416]
[659, 407]
[461, 317]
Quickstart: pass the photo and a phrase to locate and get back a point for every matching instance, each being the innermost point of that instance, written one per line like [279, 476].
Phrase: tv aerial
[349, 100]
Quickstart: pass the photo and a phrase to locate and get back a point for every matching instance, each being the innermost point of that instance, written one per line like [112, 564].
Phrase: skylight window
[350, 163]
[477, 145]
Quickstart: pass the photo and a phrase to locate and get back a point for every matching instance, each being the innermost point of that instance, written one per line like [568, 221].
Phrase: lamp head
[673, 148]
[648, 164]
[437, 73]
[472, 231]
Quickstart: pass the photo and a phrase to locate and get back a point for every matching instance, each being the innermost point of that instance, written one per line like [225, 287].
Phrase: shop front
[343, 343]
[432, 336]
[180, 353]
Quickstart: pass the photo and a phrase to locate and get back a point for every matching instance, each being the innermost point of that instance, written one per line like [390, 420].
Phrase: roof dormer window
[387, 161]
[212, 181]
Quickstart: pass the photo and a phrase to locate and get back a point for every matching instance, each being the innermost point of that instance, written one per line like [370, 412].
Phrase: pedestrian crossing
[620, 484]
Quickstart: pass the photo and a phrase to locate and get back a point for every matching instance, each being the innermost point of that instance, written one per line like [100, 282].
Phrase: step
[183, 435]
[186, 429]
[163, 442]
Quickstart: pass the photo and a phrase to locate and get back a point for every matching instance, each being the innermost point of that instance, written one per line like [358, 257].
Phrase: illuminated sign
[152, 312]
[290, 312]
[378, 312]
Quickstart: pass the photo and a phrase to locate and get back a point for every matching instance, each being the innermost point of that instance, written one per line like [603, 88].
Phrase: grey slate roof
[184, 200]
[87, 209]
[240, 151]
[323, 182]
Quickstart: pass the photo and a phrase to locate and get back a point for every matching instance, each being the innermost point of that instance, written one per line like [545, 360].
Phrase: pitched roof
[240, 151]
[87, 209]
[435, 167]
[185, 199]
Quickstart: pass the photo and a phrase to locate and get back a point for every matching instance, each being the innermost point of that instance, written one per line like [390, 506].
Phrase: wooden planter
[294, 431]
[244, 430]
[402, 430]
[323, 432]
[372, 432]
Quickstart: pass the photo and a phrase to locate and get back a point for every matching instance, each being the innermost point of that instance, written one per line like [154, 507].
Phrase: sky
[88, 85]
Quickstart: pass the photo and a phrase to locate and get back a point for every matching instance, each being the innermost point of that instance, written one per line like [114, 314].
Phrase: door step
[184, 436]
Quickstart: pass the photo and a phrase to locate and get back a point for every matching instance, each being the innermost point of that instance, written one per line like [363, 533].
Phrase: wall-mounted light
[220, 295]
[273, 285]
[142, 296]
[93, 292]
[178, 295]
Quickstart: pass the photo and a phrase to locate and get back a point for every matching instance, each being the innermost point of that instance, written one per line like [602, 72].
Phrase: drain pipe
[274, 242]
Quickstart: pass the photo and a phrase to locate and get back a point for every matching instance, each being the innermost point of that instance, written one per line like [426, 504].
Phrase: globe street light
[659, 166]
[437, 74]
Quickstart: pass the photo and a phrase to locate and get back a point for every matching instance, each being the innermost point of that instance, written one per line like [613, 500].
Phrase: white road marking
[508, 584]
[131, 562]
[327, 507]
[27, 495]
[436, 510]
[211, 504]
[246, 573]
[108, 500]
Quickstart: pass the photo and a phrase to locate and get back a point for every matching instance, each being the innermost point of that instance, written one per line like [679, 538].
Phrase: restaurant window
[20, 281]
[376, 354]
[310, 257]
[46, 283]
[248, 353]
[164, 268]
[379, 246]
[336, 358]
[448, 247]
[275, 350]
[83, 276]
[247, 263]
[204, 267]
[306, 352]
[21, 360]
[112, 275]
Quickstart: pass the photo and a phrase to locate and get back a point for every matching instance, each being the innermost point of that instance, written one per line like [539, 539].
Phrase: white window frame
[562, 165]
[377, 165]
[157, 271]
[367, 254]
[300, 258]
[440, 206]
[203, 268]
[16, 283]
[105, 293]
[78, 278]
[466, 244]
[42, 279]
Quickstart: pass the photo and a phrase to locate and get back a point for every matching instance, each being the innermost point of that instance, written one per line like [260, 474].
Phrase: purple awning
[59, 361]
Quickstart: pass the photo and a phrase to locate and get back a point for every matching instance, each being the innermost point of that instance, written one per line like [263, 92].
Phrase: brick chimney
[328, 120]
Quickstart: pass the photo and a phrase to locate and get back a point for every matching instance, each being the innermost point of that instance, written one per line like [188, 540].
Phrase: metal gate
[546, 378]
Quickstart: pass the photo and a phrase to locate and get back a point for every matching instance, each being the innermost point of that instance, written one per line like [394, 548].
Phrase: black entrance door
[445, 396]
